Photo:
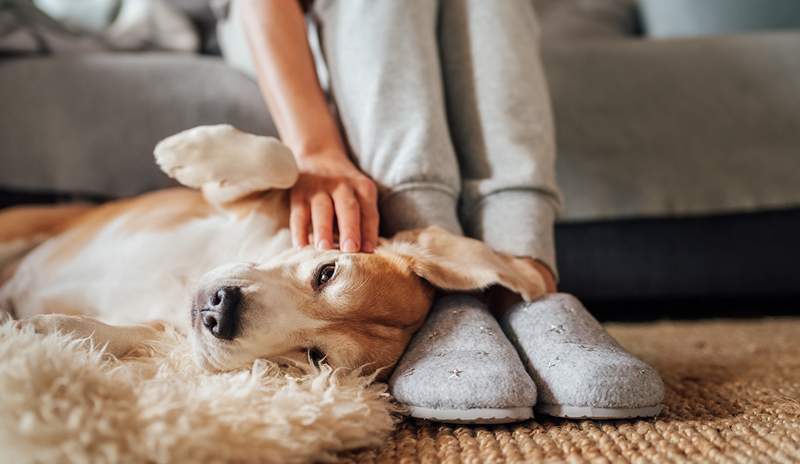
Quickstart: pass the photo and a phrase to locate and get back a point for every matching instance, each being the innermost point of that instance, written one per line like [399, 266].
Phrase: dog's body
[219, 265]
[134, 260]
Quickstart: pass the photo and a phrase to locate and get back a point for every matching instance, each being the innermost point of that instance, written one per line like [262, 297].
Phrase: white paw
[223, 157]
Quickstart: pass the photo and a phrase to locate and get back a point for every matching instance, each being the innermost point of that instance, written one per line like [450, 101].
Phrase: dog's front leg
[226, 163]
[118, 339]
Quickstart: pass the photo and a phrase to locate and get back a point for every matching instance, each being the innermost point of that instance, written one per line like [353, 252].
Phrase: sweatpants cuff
[414, 208]
[517, 222]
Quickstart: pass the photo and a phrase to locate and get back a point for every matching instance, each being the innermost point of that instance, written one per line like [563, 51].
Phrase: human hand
[330, 185]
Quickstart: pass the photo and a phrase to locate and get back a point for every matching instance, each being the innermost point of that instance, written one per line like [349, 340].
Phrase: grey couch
[679, 159]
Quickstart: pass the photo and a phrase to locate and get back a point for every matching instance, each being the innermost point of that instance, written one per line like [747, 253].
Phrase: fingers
[367, 195]
[322, 220]
[353, 202]
[299, 219]
[348, 215]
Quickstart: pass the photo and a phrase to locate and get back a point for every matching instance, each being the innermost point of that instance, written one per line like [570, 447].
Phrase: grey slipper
[461, 368]
[579, 369]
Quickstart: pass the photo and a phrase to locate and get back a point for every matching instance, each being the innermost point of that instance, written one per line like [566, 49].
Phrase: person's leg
[501, 124]
[386, 85]
[385, 78]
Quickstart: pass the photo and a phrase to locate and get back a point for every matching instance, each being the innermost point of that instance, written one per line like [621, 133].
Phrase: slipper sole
[472, 416]
[588, 412]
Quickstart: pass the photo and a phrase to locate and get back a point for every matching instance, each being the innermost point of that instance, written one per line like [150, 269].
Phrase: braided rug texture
[733, 395]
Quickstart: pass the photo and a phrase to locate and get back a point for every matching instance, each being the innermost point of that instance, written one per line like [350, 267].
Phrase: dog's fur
[109, 272]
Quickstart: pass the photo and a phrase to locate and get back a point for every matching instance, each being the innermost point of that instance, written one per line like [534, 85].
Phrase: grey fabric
[687, 18]
[573, 360]
[667, 128]
[395, 122]
[415, 208]
[461, 360]
[88, 123]
[443, 87]
[533, 229]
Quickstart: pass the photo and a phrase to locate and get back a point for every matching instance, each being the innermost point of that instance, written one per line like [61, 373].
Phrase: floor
[733, 395]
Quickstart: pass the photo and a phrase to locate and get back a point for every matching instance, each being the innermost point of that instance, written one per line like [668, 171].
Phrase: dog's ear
[452, 262]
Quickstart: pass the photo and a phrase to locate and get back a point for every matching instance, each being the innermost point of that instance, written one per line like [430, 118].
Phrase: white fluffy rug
[65, 401]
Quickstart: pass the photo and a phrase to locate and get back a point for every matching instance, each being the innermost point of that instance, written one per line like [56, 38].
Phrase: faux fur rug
[65, 401]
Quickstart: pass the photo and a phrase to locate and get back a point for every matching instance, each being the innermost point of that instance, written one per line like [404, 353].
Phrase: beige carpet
[733, 395]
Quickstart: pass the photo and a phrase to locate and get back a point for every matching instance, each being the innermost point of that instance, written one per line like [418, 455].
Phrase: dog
[215, 260]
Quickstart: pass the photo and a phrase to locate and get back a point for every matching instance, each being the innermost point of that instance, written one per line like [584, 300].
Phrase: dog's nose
[220, 316]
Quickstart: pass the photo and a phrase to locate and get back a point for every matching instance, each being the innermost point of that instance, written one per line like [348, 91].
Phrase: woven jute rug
[733, 395]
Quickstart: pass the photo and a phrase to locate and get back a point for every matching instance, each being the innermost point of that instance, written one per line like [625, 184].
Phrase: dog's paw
[223, 157]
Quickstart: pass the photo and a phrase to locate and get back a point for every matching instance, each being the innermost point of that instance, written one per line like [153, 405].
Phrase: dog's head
[352, 309]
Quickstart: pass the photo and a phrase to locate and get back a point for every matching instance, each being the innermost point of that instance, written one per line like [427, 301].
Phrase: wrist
[322, 161]
[317, 141]
[320, 152]
[311, 153]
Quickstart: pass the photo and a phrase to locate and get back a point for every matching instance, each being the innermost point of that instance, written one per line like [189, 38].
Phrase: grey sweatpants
[444, 104]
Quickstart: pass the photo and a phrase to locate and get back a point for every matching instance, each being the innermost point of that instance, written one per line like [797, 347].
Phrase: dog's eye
[316, 355]
[325, 274]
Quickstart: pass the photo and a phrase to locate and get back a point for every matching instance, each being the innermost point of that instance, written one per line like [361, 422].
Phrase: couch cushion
[88, 123]
[671, 128]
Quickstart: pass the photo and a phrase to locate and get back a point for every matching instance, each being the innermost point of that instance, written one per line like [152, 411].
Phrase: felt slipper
[579, 369]
[461, 368]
